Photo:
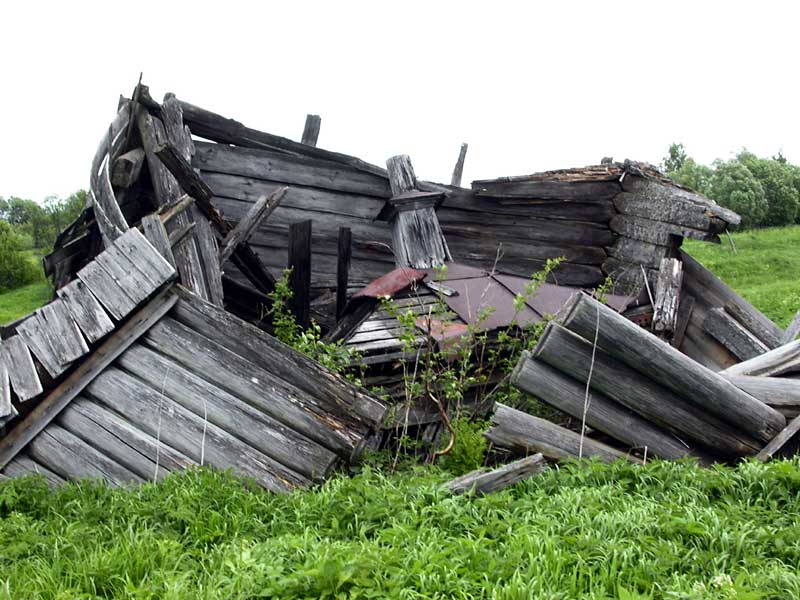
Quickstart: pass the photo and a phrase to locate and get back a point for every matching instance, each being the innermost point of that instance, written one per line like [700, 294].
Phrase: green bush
[469, 449]
[734, 186]
[16, 266]
[778, 180]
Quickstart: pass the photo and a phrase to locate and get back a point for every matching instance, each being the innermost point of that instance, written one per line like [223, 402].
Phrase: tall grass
[668, 530]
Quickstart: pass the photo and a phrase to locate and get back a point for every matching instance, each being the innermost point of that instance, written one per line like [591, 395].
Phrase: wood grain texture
[7, 409]
[638, 252]
[485, 481]
[23, 465]
[777, 392]
[311, 130]
[208, 250]
[260, 211]
[657, 232]
[16, 357]
[85, 310]
[343, 257]
[780, 361]
[156, 234]
[780, 440]
[663, 364]
[728, 332]
[107, 290]
[299, 262]
[458, 170]
[792, 331]
[667, 296]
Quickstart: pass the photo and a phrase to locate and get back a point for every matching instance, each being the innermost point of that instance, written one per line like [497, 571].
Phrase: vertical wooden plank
[455, 180]
[311, 130]
[145, 257]
[793, 330]
[64, 334]
[33, 332]
[106, 290]
[7, 409]
[685, 309]
[85, 310]
[300, 264]
[16, 356]
[209, 256]
[157, 236]
[344, 253]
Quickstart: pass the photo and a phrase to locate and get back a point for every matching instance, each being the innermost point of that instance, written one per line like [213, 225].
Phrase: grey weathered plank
[458, 170]
[777, 392]
[127, 168]
[299, 263]
[65, 336]
[549, 190]
[209, 256]
[658, 361]
[156, 234]
[23, 465]
[145, 257]
[232, 414]
[685, 307]
[568, 394]
[571, 354]
[6, 408]
[667, 295]
[16, 356]
[108, 214]
[728, 332]
[523, 434]
[107, 290]
[783, 359]
[137, 284]
[792, 331]
[780, 440]
[160, 416]
[260, 211]
[765, 334]
[72, 458]
[484, 481]
[58, 398]
[253, 384]
[311, 130]
[337, 395]
[36, 335]
[656, 232]
[629, 278]
[85, 310]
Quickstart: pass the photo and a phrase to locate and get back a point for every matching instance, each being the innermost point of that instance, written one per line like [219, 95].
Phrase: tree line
[28, 230]
[764, 191]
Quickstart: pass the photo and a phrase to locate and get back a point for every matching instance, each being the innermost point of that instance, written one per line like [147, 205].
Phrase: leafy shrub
[16, 267]
[469, 448]
[734, 186]
[778, 181]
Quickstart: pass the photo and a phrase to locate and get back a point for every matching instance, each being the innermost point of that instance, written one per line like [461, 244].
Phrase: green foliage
[778, 178]
[734, 186]
[17, 268]
[24, 300]
[669, 530]
[469, 449]
[335, 356]
[42, 222]
[693, 176]
[675, 158]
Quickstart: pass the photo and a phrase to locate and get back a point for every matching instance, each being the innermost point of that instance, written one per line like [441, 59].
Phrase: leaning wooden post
[300, 264]
[668, 288]
[455, 180]
[417, 239]
[311, 130]
[344, 253]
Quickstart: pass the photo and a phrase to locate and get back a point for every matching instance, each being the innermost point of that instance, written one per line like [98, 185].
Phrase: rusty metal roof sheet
[486, 304]
[390, 284]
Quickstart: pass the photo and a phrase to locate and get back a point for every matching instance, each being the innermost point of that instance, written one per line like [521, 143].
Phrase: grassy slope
[765, 270]
[21, 301]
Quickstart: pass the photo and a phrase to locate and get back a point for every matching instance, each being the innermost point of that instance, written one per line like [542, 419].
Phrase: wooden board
[485, 481]
[107, 290]
[85, 310]
[16, 356]
[728, 332]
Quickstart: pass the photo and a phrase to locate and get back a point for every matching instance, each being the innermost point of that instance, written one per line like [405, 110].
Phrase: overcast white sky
[530, 86]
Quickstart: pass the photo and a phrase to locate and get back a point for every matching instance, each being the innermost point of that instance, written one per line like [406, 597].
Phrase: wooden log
[667, 296]
[523, 434]
[728, 332]
[16, 357]
[792, 331]
[628, 279]
[180, 235]
[685, 308]
[344, 254]
[281, 443]
[781, 360]
[58, 398]
[548, 190]
[85, 310]
[458, 170]
[778, 392]
[300, 265]
[311, 130]
[257, 214]
[127, 168]
[702, 283]
[402, 178]
[666, 202]
[656, 232]
[181, 169]
[572, 354]
[24, 465]
[780, 440]
[602, 413]
[485, 481]
[635, 251]
[7, 409]
[665, 365]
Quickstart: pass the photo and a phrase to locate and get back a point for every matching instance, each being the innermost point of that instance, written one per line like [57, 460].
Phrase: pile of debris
[157, 353]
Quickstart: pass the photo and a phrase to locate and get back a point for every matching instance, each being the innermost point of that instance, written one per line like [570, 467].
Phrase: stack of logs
[644, 396]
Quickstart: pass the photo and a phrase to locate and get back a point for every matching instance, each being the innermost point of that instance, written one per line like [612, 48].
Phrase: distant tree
[779, 181]
[693, 175]
[42, 222]
[16, 267]
[675, 158]
[734, 186]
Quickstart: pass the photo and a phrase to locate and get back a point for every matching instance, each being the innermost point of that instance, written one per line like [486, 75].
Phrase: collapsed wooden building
[157, 353]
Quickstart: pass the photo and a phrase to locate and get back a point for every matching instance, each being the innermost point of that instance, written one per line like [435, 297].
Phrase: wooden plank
[177, 237]
[58, 398]
[65, 336]
[656, 232]
[779, 361]
[635, 251]
[344, 254]
[73, 459]
[257, 429]
[728, 332]
[523, 434]
[209, 257]
[573, 355]
[202, 441]
[777, 392]
[658, 361]
[106, 290]
[6, 408]
[288, 169]
[792, 331]
[548, 190]
[300, 277]
[23, 466]
[156, 234]
[145, 257]
[258, 213]
[337, 395]
[780, 440]
[604, 414]
[127, 168]
[458, 170]
[36, 336]
[136, 285]
[85, 310]
[667, 296]
[484, 481]
[311, 130]
[685, 307]
[766, 335]
[16, 357]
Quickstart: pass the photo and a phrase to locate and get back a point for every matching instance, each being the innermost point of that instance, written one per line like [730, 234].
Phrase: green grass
[21, 301]
[668, 530]
[765, 270]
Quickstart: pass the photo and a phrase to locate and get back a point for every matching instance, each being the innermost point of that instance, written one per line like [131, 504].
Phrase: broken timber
[485, 481]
